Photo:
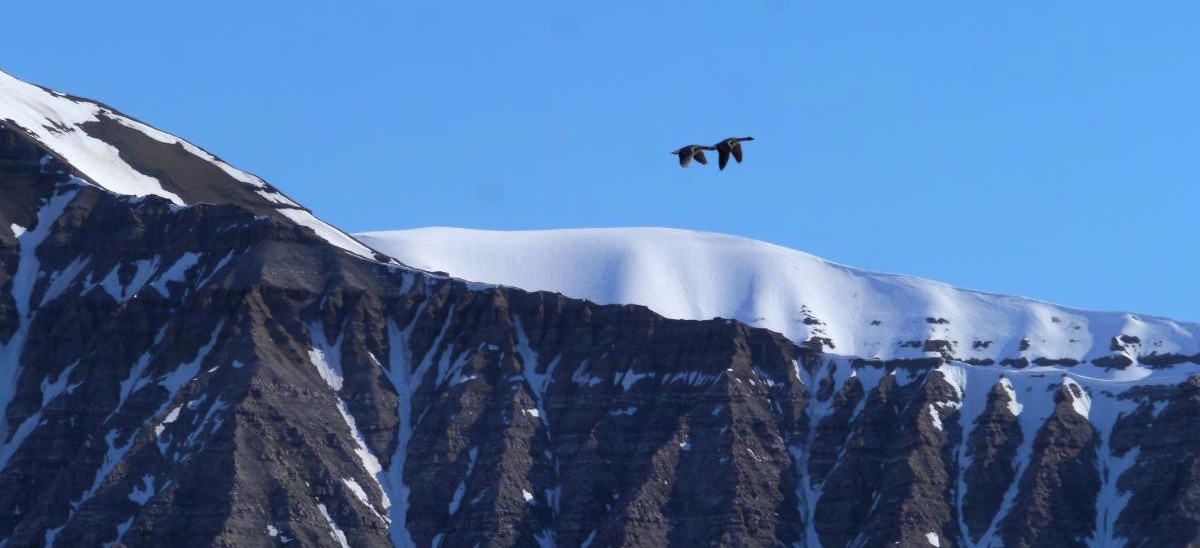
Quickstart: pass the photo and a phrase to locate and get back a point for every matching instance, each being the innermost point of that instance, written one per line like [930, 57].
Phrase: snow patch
[55, 120]
[51, 534]
[1014, 406]
[326, 358]
[112, 456]
[935, 416]
[176, 273]
[630, 378]
[124, 528]
[184, 373]
[21, 288]
[334, 531]
[1081, 401]
[141, 494]
[406, 380]
[361, 495]
[170, 418]
[462, 485]
[331, 235]
[51, 390]
[332, 377]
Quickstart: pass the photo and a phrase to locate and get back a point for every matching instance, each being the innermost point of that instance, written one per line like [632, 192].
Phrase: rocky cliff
[188, 358]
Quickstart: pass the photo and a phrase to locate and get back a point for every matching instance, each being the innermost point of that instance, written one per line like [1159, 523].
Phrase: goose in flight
[732, 145]
[687, 153]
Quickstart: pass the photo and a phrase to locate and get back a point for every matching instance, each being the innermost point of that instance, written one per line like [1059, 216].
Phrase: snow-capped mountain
[698, 275]
[1017, 369]
[120, 154]
[189, 359]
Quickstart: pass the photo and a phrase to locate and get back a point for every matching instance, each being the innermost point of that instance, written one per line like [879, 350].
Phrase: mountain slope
[697, 275]
[118, 153]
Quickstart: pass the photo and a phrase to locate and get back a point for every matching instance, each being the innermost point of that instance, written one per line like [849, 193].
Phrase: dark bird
[692, 151]
[732, 145]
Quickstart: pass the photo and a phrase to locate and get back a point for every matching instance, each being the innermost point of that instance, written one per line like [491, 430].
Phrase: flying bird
[692, 151]
[732, 145]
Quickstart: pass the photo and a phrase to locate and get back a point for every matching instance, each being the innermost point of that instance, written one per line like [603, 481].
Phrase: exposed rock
[1017, 363]
[1115, 361]
[1048, 362]
[992, 450]
[1156, 360]
[1049, 508]
[1164, 484]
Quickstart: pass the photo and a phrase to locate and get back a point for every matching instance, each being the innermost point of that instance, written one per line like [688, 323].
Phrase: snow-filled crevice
[1105, 408]
[808, 491]
[539, 387]
[326, 357]
[1032, 395]
[406, 380]
[472, 455]
[22, 288]
[115, 450]
[335, 532]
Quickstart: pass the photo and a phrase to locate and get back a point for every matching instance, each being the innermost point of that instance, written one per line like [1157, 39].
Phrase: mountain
[697, 275]
[120, 154]
[1011, 362]
[188, 358]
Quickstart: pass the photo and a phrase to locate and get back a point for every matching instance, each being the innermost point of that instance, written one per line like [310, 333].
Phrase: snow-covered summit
[698, 275]
[106, 147]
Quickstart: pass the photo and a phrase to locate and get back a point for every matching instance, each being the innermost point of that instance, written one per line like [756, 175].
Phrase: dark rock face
[182, 173]
[1164, 486]
[992, 448]
[891, 482]
[216, 374]
[1060, 475]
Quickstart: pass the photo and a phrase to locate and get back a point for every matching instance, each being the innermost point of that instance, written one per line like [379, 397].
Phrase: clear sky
[1049, 149]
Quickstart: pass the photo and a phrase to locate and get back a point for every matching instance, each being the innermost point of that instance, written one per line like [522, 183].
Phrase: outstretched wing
[723, 151]
[685, 157]
[737, 151]
[699, 156]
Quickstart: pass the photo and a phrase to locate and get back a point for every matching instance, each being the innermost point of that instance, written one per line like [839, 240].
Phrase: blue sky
[1044, 149]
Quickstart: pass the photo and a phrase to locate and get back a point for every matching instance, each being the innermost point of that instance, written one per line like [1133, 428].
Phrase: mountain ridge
[113, 151]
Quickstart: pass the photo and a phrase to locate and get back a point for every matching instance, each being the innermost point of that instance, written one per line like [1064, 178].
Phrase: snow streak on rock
[27, 273]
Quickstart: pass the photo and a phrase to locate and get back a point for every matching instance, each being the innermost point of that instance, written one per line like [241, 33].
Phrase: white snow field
[698, 275]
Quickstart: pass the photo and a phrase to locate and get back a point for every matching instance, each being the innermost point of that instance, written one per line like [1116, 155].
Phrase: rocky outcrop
[992, 450]
[1162, 488]
[1061, 473]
